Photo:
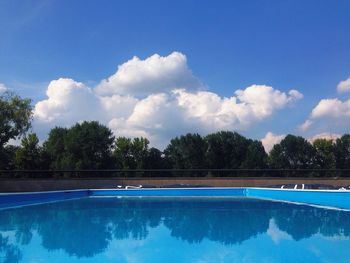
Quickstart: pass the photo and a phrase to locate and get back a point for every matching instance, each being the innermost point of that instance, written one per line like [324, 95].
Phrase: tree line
[91, 145]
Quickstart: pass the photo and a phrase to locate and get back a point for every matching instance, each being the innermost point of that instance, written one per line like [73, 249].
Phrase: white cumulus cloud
[117, 106]
[333, 108]
[154, 74]
[157, 98]
[162, 116]
[344, 86]
[252, 104]
[263, 100]
[332, 112]
[68, 101]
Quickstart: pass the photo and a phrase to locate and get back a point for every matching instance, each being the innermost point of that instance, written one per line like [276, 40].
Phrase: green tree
[28, 154]
[123, 153]
[255, 157]
[54, 151]
[135, 154]
[342, 152]
[186, 152]
[139, 151]
[7, 157]
[154, 159]
[293, 152]
[88, 146]
[84, 146]
[226, 150]
[324, 154]
[15, 120]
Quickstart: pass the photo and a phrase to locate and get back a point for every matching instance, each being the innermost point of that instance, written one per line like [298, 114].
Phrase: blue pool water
[173, 229]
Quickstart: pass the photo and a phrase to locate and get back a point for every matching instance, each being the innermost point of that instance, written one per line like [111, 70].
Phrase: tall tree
[226, 150]
[255, 157]
[154, 159]
[324, 154]
[88, 146]
[123, 153]
[7, 157]
[135, 154]
[342, 152]
[84, 146]
[293, 152]
[28, 154]
[186, 152]
[54, 151]
[15, 117]
[15, 120]
[139, 151]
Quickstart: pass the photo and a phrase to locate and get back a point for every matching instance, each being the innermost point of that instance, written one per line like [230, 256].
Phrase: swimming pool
[174, 225]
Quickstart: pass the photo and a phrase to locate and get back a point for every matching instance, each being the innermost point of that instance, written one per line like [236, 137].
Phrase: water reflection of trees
[9, 253]
[85, 227]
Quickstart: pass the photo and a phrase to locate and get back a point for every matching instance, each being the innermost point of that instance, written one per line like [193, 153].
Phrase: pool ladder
[130, 187]
[295, 186]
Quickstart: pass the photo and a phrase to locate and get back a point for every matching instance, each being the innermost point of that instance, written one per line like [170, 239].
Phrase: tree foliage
[324, 154]
[84, 146]
[293, 152]
[7, 157]
[155, 159]
[15, 120]
[226, 150]
[136, 154]
[230, 150]
[15, 117]
[28, 154]
[123, 153]
[255, 157]
[54, 149]
[342, 152]
[186, 152]
[131, 153]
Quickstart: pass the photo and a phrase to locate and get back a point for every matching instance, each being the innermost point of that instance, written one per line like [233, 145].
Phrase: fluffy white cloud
[2, 88]
[154, 74]
[157, 98]
[333, 108]
[156, 117]
[254, 103]
[270, 140]
[68, 102]
[263, 100]
[344, 86]
[163, 116]
[117, 106]
[331, 111]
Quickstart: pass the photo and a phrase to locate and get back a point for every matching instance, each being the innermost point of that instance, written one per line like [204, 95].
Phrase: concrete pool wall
[339, 199]
[35, 185]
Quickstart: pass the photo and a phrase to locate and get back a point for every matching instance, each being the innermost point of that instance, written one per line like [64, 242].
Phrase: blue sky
[228, 45]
